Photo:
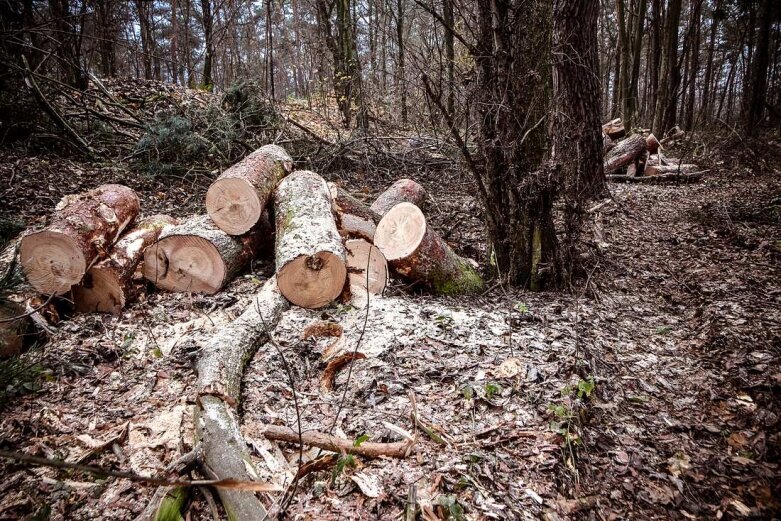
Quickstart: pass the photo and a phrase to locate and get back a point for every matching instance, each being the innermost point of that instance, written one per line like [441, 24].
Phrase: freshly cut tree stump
[402, 191]
[197, 257]
[419, 254]
[354, 220]
[652, 143]
[106, 287]
[363, 256]
[671, 169]
[311, 269]
[625, 152]
[236, 200]
[82, 230]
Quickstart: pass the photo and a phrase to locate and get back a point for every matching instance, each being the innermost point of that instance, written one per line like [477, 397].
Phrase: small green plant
[492, 389]
[443, 321]
[360, 439]
[453, 510]
[663, 330]
[346, 461]
[468, 392]
[521, 307]
[586, 387]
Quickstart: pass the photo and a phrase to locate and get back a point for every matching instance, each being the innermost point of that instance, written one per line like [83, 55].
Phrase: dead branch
[336, 444]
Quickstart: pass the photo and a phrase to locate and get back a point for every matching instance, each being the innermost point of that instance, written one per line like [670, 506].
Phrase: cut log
[652, 144]
[625, 152]
[614, 129]
[402, 191]
[607, 144]
[363, 256]
[83, 228]
[637, 168]
[310, 259]
[236, 200]
[198, 257]
[419, 254]
[107, 286]
[673, 134]
[353, 218]
[671, 169]
[13, 327]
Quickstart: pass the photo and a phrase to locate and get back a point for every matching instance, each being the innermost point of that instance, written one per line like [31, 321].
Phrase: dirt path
[651, 394]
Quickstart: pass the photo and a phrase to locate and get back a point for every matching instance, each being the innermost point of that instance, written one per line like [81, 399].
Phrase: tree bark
[419, 254]
[237, 199]
[624, 153]
[107, 286]
[310, 257]
[354, 219]
[667, 102]
[82, 230]
[403, 190]
[756, 98]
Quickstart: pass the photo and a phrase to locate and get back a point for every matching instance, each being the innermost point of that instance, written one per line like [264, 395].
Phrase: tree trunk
[419, 254]
[756, 96]
[174, 43]
[198, 257]
[107, 286]
[706, 92]
[82, 230]
[624, 153]
[656, 56]
[401, 73]
[403, 190]
[208, 41]
[450, 55]
[694, 65]
[353, 218]
[237, 199]
[310, 257]
[667, 103]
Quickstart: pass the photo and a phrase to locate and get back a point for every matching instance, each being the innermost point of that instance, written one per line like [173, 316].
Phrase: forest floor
[649, 391]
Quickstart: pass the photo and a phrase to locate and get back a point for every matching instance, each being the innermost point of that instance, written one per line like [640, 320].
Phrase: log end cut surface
[400, 231]
[52, 261]
[185, 263]
[233, 205]
[312, 281]
[366, 266]
[100, 292]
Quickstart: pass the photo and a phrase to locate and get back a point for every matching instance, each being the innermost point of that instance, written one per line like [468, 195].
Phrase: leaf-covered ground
[648, 391]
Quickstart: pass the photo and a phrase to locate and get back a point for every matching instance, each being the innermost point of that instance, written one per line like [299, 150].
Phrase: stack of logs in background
[639, 158]
[327, 244]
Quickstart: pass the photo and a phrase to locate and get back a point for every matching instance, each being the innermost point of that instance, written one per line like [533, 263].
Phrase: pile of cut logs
[327, 243]
[639, 158]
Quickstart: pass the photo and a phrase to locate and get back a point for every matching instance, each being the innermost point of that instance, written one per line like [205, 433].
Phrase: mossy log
[402, 191]
[237, 199]
[624, 153]
[81, 232]
[310, 257]
[354, 220]
[419, 254]
[198, 257]
[108, 285]
[220, 369]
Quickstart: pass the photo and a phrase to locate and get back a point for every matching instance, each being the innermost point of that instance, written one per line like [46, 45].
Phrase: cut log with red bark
[652, 144]
[198, 257]
[82, 230]
[419, 254]
[671, 169]
[614, 129]
[402, 191]
[353, 218]
[237, 199]
[310, 256]
[108, 285]
[367, 269]
[626, 152]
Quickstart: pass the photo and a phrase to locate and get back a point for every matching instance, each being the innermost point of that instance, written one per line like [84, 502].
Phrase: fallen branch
[336, 444]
